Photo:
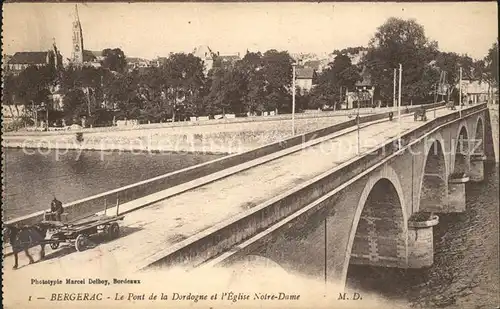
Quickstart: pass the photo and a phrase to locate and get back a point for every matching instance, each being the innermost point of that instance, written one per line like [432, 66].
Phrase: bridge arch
[460, 151]
[379, 229]
[433, 187]
[478, 141]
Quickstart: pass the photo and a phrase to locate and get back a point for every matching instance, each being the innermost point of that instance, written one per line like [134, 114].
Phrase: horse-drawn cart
[79, 232]
[420, 114]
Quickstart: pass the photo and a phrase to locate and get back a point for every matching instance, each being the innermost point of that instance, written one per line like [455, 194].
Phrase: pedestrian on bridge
[56, 209]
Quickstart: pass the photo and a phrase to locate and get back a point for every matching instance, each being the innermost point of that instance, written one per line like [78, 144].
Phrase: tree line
[260, 82]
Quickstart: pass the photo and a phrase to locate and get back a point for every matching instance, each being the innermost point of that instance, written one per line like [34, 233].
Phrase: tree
[349, 50]
[491, 64]
[89, 80]
[450, 63]
[251, 66]
[339, 73]
[396, 42]
[277, 72]
[255, 98]
[302, 100]
[122, 91]
[114, 59]
[184, 83]
[227, 91]
[32, 88]
[31, 82]
[150, 89]
[9, 92]
[75, 105]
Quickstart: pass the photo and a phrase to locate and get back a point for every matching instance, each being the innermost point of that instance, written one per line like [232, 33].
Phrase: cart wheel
[55, 243]
[114, 230]
[81, 242]
[107, 231]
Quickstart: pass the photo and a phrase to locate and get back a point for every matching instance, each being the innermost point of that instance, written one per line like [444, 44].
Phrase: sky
[154, 29]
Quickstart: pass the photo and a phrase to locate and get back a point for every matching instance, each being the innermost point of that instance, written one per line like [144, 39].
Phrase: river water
[31, 180]
[465, 273]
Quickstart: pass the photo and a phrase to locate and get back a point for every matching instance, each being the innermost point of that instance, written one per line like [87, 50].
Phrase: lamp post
[43, 106]
[88, 100]
[47, 115]
[394, 90]
[35, 113]
[371, 94]
[399, 104]
[435, 98]
[460, 92]
[293, 98]
[340, 100]
[357, 118]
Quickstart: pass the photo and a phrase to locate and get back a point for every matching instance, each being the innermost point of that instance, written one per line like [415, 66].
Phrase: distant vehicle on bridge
[420, 114]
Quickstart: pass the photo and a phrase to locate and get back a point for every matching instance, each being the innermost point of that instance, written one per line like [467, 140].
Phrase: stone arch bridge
[377, 210]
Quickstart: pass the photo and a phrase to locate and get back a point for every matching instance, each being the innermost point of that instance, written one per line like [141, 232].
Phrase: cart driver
[56, 208]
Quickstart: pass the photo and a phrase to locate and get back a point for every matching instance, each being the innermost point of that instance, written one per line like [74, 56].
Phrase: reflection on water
[465, 273]
[31, 180]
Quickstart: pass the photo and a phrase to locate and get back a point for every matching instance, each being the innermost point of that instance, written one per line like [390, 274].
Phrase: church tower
[77, 54]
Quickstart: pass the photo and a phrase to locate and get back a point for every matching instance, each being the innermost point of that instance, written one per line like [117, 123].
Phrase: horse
[26, 237]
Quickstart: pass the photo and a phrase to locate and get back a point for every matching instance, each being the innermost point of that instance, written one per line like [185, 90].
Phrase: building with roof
[366, 82]
[363, 92]
[5, 60]
[137, 63]
[304, 78]
[475, 91]
[230, 59]
[314, 64]
[92, 57]
[210, 57]
[158, 61]
[206, 55]
[21, 60]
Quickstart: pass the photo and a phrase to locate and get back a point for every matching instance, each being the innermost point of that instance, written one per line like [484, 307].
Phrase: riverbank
[215, 138]
[212, 122]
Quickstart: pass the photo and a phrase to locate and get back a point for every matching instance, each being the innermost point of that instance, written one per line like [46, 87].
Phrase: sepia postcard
[250, 155]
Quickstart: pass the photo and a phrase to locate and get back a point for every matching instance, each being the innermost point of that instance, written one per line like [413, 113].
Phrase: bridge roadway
[155, 228]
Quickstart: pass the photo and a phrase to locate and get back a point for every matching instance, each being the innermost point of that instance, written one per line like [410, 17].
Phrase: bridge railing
[91, 205]
[225, 235]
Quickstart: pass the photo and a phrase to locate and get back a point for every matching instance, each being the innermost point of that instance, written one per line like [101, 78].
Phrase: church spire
[77, 54]
[77, 18]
